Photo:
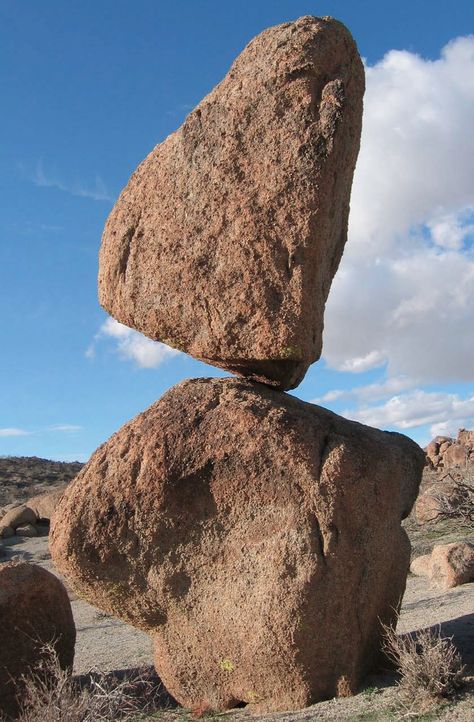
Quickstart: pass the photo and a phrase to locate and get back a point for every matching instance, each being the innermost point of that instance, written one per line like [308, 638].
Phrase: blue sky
[88, 88]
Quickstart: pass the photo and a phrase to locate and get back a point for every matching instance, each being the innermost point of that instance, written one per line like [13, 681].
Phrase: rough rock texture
[256, 537]
[452, 564]
[34, 610]
[44, 505]
[448, 565]
[225, 241]
[421, 566]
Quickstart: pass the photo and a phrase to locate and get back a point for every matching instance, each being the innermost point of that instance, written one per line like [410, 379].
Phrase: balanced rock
[255, 536]
[225, 241]
[34, 611]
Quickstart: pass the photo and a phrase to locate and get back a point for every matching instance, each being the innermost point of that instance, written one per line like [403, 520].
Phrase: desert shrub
[50, 694]
[458, 504]
[429, 665]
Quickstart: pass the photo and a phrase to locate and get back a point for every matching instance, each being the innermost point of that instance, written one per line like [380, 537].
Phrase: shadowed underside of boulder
[256, 537]
[225, 241]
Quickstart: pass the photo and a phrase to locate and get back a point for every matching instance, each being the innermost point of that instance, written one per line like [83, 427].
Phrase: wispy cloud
[14, 432]
[54, 428]
[370, 392]
[97, 190]
[66, 428]
[131, 345]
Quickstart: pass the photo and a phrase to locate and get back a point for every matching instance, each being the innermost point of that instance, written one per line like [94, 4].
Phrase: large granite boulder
[34, 611]
[225, 241]
[256, 537]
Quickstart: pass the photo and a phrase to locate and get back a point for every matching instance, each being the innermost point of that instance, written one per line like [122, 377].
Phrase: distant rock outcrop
[226, 239]
[448, 479]
[445, 452]
[256, 537]
[34, 611]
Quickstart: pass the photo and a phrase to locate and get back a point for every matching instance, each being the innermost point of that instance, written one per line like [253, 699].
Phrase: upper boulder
[226, 238]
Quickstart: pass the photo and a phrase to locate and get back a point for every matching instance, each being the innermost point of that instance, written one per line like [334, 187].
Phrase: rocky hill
[22, 477]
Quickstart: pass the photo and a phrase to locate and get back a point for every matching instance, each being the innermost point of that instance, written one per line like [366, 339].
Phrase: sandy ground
[107, 644]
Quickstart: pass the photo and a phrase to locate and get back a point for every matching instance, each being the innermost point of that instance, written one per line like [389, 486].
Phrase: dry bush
[50, 694]
[458, 504]
[429, 665]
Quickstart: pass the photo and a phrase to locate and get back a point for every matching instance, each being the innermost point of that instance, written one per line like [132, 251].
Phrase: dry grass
[430, 668]
[50, 694]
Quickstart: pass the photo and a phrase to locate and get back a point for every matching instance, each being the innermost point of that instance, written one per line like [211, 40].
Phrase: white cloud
[97, 190]
[418, 408]
[66, 428]
[14, 432]
[404, 294]
[369, 392]
[133, 345]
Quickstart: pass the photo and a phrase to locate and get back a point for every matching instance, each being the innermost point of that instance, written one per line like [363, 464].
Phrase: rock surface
[421, 566]
[44, 505]
[225, 241]
[448, 565]
[452, 564]
[256, 537]
[34, 610]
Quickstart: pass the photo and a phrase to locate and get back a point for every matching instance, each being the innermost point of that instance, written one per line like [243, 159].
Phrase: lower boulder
[34, 611]
[256, 537]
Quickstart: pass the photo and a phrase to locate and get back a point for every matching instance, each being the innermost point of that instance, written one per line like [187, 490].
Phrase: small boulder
[34, 611]
[452, 564]
[18, 516]
[444, 446]
[227, 237]
[432, 452]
